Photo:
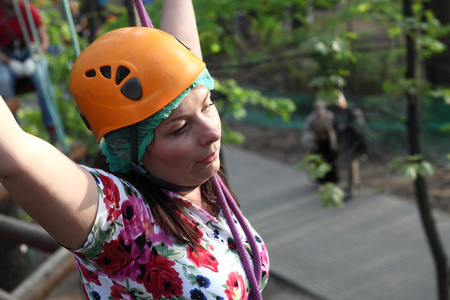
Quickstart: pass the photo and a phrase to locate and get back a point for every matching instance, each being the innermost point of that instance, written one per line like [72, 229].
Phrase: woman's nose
[210, 131]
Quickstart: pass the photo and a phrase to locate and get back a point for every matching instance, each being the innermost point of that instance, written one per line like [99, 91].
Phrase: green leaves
[314, 165]
[411, 166]
[441, 92]
[234, 99]
[331, 195]
[316, 168]
[333, 57]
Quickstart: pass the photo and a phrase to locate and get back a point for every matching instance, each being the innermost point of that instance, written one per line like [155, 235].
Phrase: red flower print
[176, 197]
[115, 256]
[88, 275]
[264, 256]
[198, 232]
[235, 284]
[136, 221]
[231, 244]
[202, 258]
[160, 279]
[80, 255]
[120, 292]
[112, 198]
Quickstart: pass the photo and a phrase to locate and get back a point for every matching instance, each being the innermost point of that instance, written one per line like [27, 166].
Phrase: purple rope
[249, 234]
[253, 271]
[143, 16]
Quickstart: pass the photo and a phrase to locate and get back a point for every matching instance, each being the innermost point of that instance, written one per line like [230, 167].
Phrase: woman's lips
[210, 158]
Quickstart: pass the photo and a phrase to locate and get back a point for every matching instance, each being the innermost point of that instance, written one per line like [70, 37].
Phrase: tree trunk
[420, 183]
[438, 66]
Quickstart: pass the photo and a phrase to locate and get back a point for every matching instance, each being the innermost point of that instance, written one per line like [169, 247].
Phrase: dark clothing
[319, 128]
[330, 155]
[348, 124]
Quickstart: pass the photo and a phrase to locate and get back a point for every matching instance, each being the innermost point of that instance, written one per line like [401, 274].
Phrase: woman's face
[185, 150]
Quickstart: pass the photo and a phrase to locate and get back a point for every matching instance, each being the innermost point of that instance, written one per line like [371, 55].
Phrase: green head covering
[116, 145]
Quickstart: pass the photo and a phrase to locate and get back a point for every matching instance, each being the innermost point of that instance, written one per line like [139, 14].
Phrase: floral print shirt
[128, 256]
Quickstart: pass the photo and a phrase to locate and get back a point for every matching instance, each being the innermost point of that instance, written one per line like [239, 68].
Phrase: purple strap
[226, 201]
[143, 16]
[253, 271]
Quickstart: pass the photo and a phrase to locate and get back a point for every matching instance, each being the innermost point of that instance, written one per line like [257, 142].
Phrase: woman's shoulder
[111, 185]
[119, 203]
[114, 190]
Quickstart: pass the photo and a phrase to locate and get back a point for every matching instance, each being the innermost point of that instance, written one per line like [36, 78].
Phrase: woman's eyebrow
[180, 117]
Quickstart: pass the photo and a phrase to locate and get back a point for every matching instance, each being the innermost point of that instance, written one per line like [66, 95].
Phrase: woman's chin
[208, 172]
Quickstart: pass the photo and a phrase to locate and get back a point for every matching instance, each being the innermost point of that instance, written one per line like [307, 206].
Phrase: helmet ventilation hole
[122, 72]
[91, 73]
[132, 89]
[106, 72]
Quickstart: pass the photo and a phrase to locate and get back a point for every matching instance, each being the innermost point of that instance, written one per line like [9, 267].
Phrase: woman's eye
[208, 106]
[180, 130]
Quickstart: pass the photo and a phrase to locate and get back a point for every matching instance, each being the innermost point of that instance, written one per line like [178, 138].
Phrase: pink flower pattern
[127, 255]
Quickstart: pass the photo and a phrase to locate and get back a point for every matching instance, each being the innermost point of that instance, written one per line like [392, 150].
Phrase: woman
[149, 225]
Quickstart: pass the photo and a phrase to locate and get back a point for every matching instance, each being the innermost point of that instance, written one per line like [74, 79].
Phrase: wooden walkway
[372, 248]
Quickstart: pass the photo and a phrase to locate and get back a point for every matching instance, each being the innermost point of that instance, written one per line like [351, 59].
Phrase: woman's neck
[195, 196]
[198, 198]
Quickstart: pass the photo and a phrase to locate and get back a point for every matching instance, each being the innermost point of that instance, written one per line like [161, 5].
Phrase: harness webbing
[43, 76]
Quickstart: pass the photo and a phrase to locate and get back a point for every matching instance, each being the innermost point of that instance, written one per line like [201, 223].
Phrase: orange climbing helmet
[129, 74]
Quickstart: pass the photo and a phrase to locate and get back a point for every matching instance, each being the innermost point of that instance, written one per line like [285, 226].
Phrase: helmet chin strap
[138, 168]
[160, 182]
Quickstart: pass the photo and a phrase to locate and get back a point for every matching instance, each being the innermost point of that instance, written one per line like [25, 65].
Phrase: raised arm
[53, 190]
[178, 19]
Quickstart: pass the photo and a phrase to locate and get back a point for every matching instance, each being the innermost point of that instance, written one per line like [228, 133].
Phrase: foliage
[441, 93]
[232, 100]
[314, 45]
[60, 59]
[120, 20]
[411, 166]
[333, 56]
[237, 98]
[316, 167]
[331, 195]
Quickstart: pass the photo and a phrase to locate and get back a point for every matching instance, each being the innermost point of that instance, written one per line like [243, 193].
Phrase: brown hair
[169, 215]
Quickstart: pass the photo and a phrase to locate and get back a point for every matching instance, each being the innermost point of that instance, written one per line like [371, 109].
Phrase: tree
[438, 65]
[412, 33]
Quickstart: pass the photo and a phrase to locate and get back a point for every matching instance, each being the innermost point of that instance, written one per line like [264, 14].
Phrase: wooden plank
[28, 233]
[49, 274]
[4, 295]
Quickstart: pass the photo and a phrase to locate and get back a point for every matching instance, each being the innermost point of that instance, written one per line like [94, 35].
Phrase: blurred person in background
[16, 61]
[320, 137]
[349, 126]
